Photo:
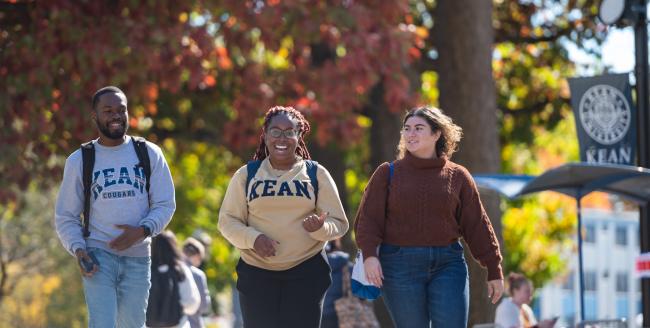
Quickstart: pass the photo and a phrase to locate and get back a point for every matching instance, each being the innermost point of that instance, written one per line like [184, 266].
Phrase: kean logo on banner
[605, 118]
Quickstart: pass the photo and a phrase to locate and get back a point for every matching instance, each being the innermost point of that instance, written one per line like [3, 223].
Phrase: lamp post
[634, 13]
[643, 142]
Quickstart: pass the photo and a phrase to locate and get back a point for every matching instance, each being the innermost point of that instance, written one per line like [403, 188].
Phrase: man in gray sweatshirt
[123, 216]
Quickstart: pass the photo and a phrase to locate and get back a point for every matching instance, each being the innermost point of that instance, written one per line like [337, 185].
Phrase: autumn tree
[196, 74]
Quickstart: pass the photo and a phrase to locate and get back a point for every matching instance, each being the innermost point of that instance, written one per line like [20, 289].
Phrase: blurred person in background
[194, 252]
[173, 295]
[513, 311]
[339, 261]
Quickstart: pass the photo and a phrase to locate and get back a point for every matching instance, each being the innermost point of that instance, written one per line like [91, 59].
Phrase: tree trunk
[385, 129]
[463, 37]
[331, 157]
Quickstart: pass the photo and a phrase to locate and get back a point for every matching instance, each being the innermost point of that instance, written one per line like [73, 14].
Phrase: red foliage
[330, 88]
[334, 53]
[64, 50]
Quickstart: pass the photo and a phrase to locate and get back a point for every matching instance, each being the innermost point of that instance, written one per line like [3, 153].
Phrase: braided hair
[303, 128]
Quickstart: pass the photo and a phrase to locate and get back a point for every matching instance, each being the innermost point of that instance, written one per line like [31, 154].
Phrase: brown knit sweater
[432, 202]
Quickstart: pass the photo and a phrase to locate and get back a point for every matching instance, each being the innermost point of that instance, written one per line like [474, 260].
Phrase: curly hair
[450, 133]
[303, 129]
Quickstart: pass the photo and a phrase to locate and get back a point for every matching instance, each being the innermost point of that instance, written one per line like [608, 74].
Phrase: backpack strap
[312, 171]
[251, 169]
[88, 159]
[391, 170]
[140, 146]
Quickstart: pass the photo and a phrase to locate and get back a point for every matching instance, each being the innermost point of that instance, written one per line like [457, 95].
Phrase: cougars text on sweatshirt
[118, 196]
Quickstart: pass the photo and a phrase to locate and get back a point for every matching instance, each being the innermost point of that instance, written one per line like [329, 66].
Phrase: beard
[115, 134]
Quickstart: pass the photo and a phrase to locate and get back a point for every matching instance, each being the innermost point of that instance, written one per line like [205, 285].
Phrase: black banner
[605, 118]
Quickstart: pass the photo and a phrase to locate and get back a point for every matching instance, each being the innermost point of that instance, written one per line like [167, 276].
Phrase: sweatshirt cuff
[494, 271]
[75, 247]
[251, 236]
[369, 252]
[324, 233]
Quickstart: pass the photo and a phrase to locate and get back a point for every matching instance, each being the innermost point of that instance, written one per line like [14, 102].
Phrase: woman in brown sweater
[413, 213]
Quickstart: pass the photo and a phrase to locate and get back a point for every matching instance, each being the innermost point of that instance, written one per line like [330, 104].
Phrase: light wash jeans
[425, 286]
[117, 294]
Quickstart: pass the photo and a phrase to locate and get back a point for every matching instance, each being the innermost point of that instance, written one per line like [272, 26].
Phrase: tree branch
[501, 36]
[532, 109]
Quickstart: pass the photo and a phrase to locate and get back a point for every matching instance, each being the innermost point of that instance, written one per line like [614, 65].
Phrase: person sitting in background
[339, 261]
[513, 311]
[194, 252]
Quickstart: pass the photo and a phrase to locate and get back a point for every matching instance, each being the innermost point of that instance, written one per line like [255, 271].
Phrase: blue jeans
[425, 286]
[117, 294]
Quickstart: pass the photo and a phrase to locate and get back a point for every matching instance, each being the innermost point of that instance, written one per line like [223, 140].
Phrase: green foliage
[538, 232]
[537, 235]
[531, 65]
[43, 283]
[356, 174]
[531, 61]
[201, 174]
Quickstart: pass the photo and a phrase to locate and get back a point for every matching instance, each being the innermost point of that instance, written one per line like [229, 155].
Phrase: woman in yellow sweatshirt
[280, 218]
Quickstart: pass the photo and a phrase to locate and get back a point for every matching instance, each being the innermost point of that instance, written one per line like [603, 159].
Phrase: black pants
[283, 299]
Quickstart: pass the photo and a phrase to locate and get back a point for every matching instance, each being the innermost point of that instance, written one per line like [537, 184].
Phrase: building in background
[612, 291]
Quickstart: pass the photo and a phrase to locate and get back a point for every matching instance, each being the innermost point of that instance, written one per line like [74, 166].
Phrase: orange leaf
[152, 108]
[152, 92]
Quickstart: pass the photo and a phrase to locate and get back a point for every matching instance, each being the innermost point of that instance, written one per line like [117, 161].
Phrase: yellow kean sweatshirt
[275, 204]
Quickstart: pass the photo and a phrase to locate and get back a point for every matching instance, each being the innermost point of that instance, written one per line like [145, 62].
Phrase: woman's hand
[495, 289]
[265, 246]
[314, 222]
[372, 267]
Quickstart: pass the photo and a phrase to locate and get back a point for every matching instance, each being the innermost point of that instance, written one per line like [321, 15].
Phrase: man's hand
[372, 267]
[81, 254]
[129, 236]
[314, 222]
[265, 246]
[495, 290]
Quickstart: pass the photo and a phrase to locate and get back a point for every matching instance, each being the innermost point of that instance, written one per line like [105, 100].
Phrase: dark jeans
[425, 286]
[283, 299]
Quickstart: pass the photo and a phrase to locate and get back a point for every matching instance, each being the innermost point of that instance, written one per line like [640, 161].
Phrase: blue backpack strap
[312, 171]
[391, 169]
[251, 169]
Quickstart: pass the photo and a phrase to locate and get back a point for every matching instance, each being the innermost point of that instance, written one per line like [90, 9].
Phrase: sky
[617, 52]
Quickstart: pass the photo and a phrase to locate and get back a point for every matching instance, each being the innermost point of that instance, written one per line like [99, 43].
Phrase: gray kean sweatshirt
[118, 196]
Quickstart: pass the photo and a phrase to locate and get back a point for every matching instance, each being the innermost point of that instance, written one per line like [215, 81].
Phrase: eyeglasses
[277, 133]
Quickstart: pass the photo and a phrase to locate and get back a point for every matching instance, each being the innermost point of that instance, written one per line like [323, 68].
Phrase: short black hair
[105, 90]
